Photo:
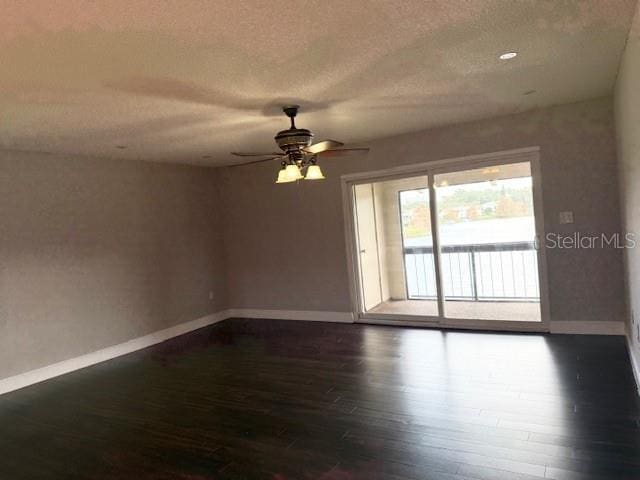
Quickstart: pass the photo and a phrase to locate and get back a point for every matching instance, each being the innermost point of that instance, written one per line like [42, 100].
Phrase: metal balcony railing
[482, 272]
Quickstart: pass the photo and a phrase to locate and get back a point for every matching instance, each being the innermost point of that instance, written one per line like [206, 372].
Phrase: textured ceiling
[176, 81]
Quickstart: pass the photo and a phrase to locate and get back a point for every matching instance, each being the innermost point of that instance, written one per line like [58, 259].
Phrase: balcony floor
[515, 311]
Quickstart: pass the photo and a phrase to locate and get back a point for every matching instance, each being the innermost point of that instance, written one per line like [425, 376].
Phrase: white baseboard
[50, 371]
[306, 315]
[588, 328]
[635, 364]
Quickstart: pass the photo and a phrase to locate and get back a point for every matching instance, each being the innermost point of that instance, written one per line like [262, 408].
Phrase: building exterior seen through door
[456, 243]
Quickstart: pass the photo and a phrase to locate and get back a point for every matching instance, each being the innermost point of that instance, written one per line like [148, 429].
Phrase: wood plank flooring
[282, 400]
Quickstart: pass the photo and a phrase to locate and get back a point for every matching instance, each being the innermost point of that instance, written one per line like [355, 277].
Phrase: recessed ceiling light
[508, 55]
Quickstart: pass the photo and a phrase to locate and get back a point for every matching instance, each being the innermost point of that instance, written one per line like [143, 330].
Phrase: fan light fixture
[289, 173]
[298, 153]
[283, 176]
[508, 55]
[314, 173]
[293, 172]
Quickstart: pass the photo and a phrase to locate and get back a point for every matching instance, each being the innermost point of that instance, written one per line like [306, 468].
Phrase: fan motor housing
[294, 139]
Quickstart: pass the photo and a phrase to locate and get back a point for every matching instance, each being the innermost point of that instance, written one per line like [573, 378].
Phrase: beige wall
[627, 106]
[287, 245]
[97, 252]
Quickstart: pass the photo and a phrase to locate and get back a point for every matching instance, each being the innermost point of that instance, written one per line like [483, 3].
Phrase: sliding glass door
[455, 245]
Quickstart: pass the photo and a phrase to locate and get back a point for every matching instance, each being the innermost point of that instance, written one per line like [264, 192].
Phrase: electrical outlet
[211, 295]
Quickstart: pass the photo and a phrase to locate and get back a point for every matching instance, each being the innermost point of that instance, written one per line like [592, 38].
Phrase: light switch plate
[565, 217]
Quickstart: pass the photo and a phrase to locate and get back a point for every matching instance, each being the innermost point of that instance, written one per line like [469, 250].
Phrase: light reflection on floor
[470, 379]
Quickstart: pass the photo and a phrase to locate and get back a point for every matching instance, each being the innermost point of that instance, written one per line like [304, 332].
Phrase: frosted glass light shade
[314, 173]
[293, 172]
[283, 176]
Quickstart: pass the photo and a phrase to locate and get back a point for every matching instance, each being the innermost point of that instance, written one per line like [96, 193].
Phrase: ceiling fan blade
[323, 146]
[268, 154]
[255, 161]
[342, 152]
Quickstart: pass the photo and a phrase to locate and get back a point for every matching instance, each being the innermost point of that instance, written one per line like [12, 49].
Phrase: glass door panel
[395, 248]
[417, 247]
[367, 238]
[486, 230]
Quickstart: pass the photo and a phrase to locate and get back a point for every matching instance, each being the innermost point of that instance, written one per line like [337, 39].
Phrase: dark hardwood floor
[278, 400]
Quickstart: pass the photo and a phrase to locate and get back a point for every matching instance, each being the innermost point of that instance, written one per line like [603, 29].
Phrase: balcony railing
[483, 272]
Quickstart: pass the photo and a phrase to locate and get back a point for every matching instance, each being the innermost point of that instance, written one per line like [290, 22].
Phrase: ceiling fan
[298, 153]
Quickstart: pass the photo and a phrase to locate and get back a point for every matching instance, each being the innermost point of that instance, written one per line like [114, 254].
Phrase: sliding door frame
[430, 169]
